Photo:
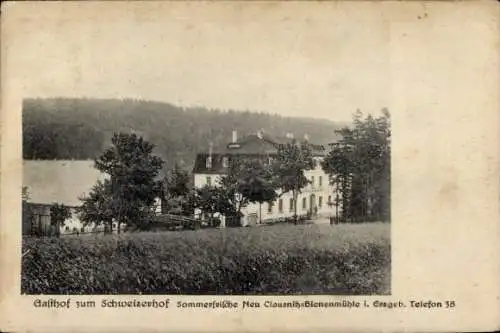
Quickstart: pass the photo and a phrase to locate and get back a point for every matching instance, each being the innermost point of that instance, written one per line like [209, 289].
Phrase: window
[291, 204]
[320, 180]
[225, 162]
[304, 203]
[320, 202]
[312, 180]
[270, 207]
[209, 181]
[209, 162]
[280, 205]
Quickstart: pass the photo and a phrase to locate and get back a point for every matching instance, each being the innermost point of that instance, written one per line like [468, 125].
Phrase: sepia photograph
[249, 166]
[198, 163]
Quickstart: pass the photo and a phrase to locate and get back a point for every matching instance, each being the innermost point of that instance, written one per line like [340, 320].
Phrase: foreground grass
[285, 259]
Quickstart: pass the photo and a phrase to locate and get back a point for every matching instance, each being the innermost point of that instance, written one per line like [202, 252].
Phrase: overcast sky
[324, 63]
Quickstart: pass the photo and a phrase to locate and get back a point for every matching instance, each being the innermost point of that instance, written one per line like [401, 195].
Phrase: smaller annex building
[46, 182]
[315, 200]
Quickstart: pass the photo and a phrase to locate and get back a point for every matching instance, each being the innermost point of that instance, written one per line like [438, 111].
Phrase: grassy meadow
[346, 259]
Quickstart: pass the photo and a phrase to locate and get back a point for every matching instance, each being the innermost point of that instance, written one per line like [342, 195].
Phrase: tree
[133, 185]
[58, 215]
[359, 167]
[257, 184]
[293, 159]
[98, 207]
[338, 165]
[175, 189]
[178, 182]
[211, 200]
[248, 180]
[189, 203]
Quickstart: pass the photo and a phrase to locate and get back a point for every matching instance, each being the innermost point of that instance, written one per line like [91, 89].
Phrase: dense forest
[66, 128]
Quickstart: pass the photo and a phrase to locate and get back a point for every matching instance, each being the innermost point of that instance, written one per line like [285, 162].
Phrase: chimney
[260, 133]
[208, 162]
[235, 136]
[306, 137]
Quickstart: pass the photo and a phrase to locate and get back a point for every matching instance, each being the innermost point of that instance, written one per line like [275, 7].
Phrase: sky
[323, 63]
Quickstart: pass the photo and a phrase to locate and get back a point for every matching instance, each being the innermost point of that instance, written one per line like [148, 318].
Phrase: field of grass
[348, 259]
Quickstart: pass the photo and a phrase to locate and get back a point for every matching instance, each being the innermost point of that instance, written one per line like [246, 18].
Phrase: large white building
[315, 200]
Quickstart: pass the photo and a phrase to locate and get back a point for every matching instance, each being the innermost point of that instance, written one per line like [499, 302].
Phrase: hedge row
[284, 259]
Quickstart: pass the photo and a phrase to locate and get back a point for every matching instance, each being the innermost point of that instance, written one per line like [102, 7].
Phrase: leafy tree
[189, 203]
[98, 207]
[178, 182]
[338, 166]
[247, 180]
[175, 188]
[257, 184]
[58, 215]
[293, 159]
[211, 200]
[359, 167]
[133, 185]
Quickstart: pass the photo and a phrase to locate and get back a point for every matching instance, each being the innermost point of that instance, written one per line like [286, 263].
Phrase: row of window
[84, 229]
[270, 205]
[320, 180]
[290, 205]
[225, 162]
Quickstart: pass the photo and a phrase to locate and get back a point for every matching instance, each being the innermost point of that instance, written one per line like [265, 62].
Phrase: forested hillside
[63, 128]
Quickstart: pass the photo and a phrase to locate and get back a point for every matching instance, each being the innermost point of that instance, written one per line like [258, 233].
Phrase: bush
[216, 222]
[285, 259]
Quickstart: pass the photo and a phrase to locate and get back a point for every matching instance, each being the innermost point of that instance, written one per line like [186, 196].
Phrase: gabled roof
[250, 145]
[200, 164]
[59, 181]
[265, 144]
[253, 144]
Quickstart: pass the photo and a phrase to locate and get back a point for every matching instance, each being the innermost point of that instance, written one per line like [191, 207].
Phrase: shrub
[284, 259]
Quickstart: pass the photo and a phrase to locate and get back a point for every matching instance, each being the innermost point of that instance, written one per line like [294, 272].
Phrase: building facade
[316, 200]
[56, 181]
[37, 222]
[63, 182]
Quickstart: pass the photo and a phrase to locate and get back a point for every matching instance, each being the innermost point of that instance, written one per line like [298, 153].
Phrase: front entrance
[313, 210]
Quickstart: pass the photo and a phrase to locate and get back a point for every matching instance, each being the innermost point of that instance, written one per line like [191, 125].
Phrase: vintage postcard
[250, 166]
